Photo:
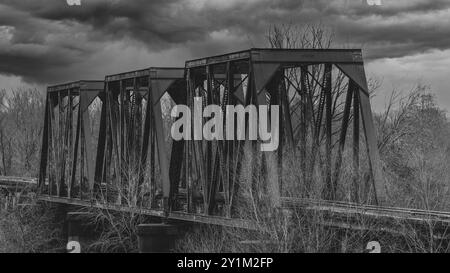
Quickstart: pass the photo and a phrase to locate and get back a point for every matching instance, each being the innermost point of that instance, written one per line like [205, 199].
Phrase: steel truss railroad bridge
[107, 144]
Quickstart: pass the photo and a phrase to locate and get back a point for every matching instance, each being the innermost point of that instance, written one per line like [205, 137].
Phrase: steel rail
[380, 211]
[339, 207]
[16, 182]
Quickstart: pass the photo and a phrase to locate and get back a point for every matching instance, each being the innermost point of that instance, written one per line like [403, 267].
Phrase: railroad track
[394, 213]
[17, 182]
[335, 208]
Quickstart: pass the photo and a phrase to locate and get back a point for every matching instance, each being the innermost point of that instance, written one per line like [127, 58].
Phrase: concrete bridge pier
[157, 238]
[76, 231]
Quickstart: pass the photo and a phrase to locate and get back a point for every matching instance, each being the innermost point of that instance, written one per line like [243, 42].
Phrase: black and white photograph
[225, 133]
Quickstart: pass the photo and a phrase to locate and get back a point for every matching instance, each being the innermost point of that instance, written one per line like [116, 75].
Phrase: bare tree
[306, 94]
[21, 113]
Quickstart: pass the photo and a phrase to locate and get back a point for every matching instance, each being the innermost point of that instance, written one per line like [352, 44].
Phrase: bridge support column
[76, 230]
[156, 238]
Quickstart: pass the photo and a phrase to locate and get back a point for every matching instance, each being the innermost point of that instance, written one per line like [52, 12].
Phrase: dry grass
[33, 228]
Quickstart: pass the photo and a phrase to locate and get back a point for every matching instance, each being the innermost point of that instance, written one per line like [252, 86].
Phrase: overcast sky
[47, 41]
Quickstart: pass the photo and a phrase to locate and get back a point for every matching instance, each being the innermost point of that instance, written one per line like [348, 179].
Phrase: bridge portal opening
[69, 146]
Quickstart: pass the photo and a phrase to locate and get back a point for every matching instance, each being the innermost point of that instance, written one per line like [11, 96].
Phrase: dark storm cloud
[157, 21]
[397, 28]
[397, 7]
[40, 38]
[33, 48]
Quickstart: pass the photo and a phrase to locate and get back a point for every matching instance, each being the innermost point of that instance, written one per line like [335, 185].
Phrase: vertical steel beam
[190, 86]
[71, 140]
[89, 160]
[372, 148]
[60, 149]
[121, 140]
[45, 146]
[177, 92]
[147, 130]
[101, 145]
[114, 111]
[304, 128]
[343, 135]
[52, 141]
[161, 144]
[330, 190]
[261, 75]
[210, 182]
[75, 152]
[286, 111]
[226, 144]
[356, 179]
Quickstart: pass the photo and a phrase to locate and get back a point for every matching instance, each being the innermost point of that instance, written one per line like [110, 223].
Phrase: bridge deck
[339, 214]
[16, 183]
[181, 216]
[337, 210]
